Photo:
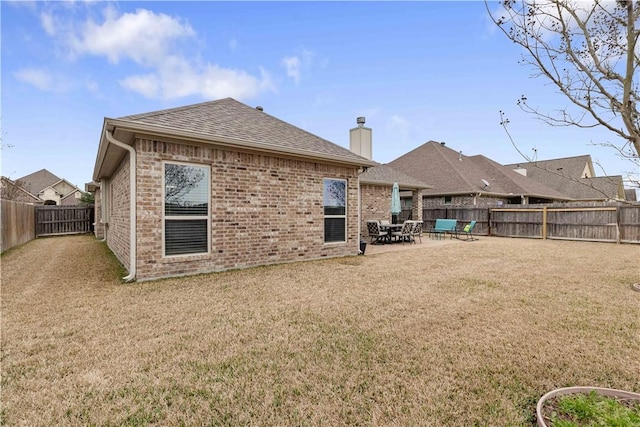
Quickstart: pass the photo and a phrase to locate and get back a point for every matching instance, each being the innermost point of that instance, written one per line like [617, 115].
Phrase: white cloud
[292, 65]
[177, 78]
[36, 77]
[143, 36]
[147, 85]
[48, 23]
[151, 41]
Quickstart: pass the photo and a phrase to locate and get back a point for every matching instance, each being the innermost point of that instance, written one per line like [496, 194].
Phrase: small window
[447, 200]
[186, 209]
[335, 210]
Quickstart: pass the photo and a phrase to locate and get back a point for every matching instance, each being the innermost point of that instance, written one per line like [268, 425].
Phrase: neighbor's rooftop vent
[360, 121]
[259, 108]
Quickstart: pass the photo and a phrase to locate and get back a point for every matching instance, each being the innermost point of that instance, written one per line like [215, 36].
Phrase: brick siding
[117, 227]
[265, 209]
[375, 205]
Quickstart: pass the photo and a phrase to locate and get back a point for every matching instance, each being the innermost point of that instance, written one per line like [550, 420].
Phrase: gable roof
[38, 181]
[450, 172]
[224, 122]
[574, 177]
[574, 167]
[385, 175]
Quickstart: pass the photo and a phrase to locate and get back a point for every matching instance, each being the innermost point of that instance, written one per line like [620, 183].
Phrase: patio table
[390, 228]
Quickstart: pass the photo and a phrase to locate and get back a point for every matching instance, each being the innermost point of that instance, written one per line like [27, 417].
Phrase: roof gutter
[132, 203]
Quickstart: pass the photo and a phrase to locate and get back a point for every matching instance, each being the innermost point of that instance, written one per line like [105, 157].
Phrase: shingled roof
[574, 177]
[386, 176]
[232, 123]
[38, 181]
[450, 173]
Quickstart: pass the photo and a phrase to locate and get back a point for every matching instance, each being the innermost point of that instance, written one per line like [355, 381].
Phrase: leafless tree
[12, 190]
[180, 180]
[589, 50]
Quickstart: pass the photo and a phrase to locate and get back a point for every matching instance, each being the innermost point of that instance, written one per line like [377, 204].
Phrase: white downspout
[359, 214]
[132, 204]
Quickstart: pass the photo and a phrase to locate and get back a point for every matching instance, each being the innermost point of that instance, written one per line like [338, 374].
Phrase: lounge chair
[468, 230]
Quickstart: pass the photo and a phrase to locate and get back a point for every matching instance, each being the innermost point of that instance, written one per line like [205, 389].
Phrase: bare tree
[179, 181]
[589, 50]
[12, 190]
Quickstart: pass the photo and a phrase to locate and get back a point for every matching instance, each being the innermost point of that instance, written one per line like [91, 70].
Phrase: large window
[186, 209]
[335, 210]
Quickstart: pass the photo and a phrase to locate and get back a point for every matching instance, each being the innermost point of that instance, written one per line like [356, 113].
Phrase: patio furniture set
[382, 232]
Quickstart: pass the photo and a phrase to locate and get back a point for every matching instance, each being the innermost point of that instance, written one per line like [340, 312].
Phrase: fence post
[544, 223]
[618, 224]
[488, 221]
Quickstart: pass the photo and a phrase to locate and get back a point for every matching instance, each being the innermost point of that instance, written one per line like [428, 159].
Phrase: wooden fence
[58, 220]
[17, 224]
[618, 223]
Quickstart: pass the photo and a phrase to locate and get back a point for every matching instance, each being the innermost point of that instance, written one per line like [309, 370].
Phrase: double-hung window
[335, 210]
[186, 208]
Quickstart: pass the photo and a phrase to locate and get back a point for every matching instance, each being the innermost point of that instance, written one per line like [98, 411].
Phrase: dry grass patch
[463, 334]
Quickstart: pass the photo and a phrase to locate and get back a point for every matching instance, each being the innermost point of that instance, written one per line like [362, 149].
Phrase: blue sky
[417, 71]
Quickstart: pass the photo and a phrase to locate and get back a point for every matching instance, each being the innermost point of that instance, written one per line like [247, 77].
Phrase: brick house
[575, 177]
[221, 185]
[41, 187]
[459, 180]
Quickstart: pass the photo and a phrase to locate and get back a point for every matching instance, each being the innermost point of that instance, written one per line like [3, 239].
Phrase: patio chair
[375, 233]
[468, 229]
[405, 233]
[417, 230]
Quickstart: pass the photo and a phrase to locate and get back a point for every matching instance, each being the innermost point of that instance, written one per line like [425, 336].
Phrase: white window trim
[188, 217]
[346, 211]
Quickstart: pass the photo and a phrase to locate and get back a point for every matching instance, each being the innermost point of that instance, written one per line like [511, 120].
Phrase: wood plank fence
[618, 223]
[59, 220]
[17, 224]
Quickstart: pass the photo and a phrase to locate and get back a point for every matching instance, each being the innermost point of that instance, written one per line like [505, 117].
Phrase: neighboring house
[460, 180]
[50, 189]
[221, 185]
[573, 177]
[12, 190]
[630, 194]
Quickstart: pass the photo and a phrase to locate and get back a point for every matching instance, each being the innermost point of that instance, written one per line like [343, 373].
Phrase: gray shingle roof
[231, 119]
[573, 167]
[567, 175]
[450, 172]
[386, 175]
[37, 181]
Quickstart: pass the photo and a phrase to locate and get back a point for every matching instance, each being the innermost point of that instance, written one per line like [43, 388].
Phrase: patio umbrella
[395, 199]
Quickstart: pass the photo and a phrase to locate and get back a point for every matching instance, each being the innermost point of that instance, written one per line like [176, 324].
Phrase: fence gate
[56, 220]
